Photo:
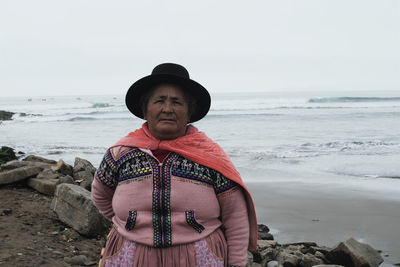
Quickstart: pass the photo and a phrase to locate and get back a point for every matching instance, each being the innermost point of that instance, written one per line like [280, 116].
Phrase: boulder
[263, 233]
[273, 264]
[73, 206]
[6, 115]
[287, 259]
[7, 154]
[84, 172]
[49, 174]
[82, 165]
[85, 179]
[63, 168]
[48, 186]
[19, 174]
[328, 265]
[353, 253]
[264, 244]
[39, 159]
[310, 260]
[17, 163]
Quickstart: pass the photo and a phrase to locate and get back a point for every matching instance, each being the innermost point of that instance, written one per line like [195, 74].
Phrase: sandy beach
[328, 214]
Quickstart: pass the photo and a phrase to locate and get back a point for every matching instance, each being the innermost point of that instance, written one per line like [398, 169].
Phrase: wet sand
[328, 214]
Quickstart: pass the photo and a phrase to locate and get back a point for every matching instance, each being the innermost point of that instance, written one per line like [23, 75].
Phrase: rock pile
[70, 188]
[306, 254]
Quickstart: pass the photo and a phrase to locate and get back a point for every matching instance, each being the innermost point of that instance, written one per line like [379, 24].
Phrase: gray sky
[101, 47]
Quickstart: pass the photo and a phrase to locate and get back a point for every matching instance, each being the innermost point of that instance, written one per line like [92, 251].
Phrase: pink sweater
[167, 203]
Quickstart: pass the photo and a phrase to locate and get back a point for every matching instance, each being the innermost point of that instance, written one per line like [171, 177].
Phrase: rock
[44, 186]
[19, 174]
[287, 260]
[353, 253]
[6, 115]
[39, 159]
[265, 236]
[48, 186]
[63, 168]
[249, 260]
[84, 171]
[273, 264]
[49, 174]
[7, 154]
[310, 260]
[306, 244]
[17, 163]
[83, 164]
[263, 232]
[263, 244]
[74, 207]
[86, 178]
[328, 265]
[267, 255]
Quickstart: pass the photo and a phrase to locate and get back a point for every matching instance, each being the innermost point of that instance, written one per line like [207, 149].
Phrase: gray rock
[272, 264]
[74, 207]
[19, 174]
[44, 186]
[48, 186]
[263, 244]
[310, 260]
[63, 168]
[39, 159]
[267, 255]
[82, 165]
[328, 265]
[353, 253]
[13, 164]
[86, 178]
[287, 260]
[49, 174]
[249, 260]
[6, 115]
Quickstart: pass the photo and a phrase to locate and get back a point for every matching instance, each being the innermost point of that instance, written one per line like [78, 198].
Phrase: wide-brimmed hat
[173, 74]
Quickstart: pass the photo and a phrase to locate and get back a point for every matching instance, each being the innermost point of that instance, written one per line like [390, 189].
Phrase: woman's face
[167, 112]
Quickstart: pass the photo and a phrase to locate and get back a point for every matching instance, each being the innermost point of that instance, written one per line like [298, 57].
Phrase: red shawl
[197, 147]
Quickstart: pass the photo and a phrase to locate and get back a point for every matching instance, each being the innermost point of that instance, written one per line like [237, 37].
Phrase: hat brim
[200, 94]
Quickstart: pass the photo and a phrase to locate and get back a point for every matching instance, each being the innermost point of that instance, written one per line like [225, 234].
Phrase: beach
[321, 167]
[328, 214]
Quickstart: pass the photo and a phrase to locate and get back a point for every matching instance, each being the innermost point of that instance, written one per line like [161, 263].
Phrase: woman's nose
[167, 107]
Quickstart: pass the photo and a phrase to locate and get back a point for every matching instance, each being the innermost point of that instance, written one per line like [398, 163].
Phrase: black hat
[174, 74]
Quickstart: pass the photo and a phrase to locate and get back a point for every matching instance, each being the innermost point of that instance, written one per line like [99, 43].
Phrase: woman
[173, 195]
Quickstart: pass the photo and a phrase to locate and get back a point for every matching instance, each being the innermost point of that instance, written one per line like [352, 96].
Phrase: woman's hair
[191, 101]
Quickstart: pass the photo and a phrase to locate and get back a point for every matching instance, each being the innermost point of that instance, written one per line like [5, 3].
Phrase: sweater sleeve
[235, 221]
[104, 184]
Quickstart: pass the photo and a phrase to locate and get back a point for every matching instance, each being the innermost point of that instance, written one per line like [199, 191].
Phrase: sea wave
[100, 105]
[346, 99]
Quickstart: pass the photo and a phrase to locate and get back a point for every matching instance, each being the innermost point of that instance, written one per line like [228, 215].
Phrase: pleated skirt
[210, 251]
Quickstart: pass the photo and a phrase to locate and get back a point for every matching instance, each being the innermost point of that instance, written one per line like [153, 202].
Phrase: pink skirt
[210, 251]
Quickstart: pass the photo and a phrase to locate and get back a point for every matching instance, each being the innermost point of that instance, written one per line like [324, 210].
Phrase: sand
[328, 214]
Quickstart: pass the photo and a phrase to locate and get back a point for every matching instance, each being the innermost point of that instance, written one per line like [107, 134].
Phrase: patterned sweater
[167, 203]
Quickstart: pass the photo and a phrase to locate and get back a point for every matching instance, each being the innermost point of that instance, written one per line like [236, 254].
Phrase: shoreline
[327, 215]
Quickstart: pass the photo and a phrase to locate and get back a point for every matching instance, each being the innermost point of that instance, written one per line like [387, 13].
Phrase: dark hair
[191, 101]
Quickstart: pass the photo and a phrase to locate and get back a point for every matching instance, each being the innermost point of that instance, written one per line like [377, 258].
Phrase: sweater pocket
[131, 220]
[190, 219]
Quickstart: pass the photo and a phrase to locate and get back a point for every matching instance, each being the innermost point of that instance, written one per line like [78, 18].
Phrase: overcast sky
[101, 47]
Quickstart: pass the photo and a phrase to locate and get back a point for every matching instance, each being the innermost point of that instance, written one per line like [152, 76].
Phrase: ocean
[312, 137]
[331, 140]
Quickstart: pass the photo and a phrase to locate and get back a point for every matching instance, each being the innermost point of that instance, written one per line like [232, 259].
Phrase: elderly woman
[173, 195]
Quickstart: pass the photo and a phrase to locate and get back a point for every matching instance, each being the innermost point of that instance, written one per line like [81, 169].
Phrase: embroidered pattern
[106, 171]
[133, 165]
[161, 201]
[192, 221]
[204, 257]
[131, 220]
[124, 258]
